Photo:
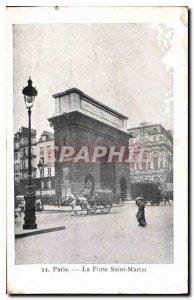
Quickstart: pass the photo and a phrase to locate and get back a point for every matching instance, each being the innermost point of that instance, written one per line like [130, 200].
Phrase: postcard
[97, 197]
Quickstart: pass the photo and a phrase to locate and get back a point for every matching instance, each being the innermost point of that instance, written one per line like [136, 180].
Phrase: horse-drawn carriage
[101, 201]
[91, 201]
[150, 192]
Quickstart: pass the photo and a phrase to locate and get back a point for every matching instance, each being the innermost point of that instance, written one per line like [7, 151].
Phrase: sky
[124, 66]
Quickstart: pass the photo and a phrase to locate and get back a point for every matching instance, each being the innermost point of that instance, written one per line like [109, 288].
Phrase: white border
[173, 277]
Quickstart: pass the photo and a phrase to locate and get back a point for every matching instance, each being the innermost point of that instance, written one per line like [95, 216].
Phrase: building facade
[21, 159]
[151, 154]
[46, 173]
[82, 124]
[42, 151]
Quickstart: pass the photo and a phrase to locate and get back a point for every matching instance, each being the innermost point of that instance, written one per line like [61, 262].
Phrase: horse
[83, 203]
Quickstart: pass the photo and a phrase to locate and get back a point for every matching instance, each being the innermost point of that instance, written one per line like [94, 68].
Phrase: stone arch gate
[86, 125]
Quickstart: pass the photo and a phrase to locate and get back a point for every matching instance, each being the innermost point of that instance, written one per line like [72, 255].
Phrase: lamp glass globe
[29, 99]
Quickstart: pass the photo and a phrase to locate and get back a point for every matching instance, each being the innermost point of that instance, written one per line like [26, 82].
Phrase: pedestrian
[166, 199]
[21, 207]
[141, 212]
[72, 202]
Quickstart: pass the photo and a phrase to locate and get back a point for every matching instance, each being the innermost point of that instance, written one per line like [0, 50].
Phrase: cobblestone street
[112, 238]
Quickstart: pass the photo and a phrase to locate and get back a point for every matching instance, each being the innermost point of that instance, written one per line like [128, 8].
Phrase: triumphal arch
[91, 145]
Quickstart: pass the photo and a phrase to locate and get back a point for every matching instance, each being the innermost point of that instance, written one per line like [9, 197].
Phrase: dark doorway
[123, 189]
[107, 176]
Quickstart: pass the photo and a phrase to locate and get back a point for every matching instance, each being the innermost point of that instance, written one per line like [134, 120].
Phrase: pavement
[99, 238]
[50, 224]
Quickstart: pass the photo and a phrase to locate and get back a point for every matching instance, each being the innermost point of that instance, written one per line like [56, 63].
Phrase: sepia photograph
[94, 138]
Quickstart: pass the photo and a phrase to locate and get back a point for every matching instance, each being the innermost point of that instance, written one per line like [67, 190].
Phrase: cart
[101, 201]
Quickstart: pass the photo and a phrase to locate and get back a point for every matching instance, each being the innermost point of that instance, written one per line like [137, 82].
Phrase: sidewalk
[46, 223]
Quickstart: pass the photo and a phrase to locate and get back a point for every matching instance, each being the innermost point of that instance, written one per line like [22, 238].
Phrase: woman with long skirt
[141, 212]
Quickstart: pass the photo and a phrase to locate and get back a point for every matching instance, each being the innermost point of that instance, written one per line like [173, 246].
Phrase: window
[148, 165]
[143, 137]
[66, 175]
[15, 155]
[42, 184]
[143, 166]
[42, 172]
[135, 155]
[22, 152]
[160, 137]
[154, 130]
[142, 130]
[49, 184]
[48, 150]
[145, 154]
[154, 139]
[43, 138]
[41, 150]
[137, 166]
[49, 172]
[23, 164]
[42, 160]
[161, 164]
[64, 140]
[155, 163]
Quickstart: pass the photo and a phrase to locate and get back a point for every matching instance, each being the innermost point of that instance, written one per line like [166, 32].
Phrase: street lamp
[40, 167]
[29, 93]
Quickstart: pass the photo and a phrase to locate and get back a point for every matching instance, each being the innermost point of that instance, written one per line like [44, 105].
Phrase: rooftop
[168, 132]
[49, 136]
[91, 100]
[24, 132]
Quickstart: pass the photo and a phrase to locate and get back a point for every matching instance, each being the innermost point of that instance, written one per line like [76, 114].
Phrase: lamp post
[29, 93]
[40, 167]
